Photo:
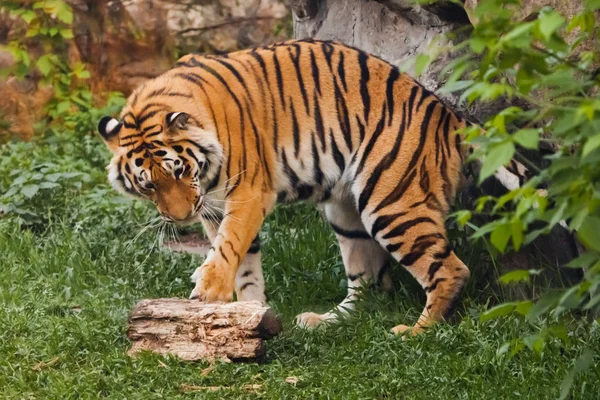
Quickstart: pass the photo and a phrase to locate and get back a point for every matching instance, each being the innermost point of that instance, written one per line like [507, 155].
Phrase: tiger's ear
[109, 128]
[177, 120]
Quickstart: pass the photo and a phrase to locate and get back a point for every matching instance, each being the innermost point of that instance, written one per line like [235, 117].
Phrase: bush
[532, 62]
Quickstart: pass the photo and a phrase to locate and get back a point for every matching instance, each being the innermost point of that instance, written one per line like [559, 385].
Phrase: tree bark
[192, 330]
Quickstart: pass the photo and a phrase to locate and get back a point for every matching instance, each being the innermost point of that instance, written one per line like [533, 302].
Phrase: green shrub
[532, 62]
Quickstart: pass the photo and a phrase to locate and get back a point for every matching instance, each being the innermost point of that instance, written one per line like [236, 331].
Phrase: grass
[69, 280]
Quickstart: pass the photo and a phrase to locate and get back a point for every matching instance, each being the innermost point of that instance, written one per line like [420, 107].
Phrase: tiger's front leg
[244, 214]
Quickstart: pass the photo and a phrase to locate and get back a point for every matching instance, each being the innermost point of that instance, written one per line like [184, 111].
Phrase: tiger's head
[162, 155]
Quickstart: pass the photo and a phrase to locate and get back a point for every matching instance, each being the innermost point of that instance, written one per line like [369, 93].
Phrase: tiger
[222, 139]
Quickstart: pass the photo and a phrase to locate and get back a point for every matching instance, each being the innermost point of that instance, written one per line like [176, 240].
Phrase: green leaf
[28, 16]
[64, 13]
[462, 217]
[421, 63]
[582, 364]
[500, 236]
[535, 342]
[584, 261]
[516, 228]
[519, 275]
[523, 307]
[48, 185]
[44, 64]
[591, 144]
[527, 138]
[498, 311]
[589, 233]
[67, 33]
[83, 74]
[541, 307]
[29, 190]
[63, 107]
[497, 156]
[549, 23]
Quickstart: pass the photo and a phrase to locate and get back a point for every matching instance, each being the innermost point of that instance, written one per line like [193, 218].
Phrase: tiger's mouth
[192, 217]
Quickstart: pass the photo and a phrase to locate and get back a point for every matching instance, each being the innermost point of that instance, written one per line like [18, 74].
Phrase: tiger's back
[306, 120]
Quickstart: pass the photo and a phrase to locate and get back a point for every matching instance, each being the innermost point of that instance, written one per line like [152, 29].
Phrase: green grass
[69, 280]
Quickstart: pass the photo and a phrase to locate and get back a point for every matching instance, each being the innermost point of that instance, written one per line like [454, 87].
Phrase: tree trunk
[192, 330]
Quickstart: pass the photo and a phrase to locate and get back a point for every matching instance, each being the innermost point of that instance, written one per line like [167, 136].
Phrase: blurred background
[51, 48]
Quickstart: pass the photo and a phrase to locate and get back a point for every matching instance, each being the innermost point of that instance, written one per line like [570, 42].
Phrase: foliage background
[75, 260]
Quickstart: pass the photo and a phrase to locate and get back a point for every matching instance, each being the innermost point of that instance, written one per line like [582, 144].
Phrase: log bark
[192, 330]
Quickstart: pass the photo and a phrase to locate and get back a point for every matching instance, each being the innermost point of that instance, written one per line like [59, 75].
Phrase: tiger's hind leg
[416, 237]
[364, 261]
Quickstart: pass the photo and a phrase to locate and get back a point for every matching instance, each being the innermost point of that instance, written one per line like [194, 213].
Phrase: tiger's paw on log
[192, 330]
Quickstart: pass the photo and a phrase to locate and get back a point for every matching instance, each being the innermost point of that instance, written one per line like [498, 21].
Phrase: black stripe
[235, 253]
[382, 271]
[338, 157]
[237, 75]
[245, 285]
[433, 268]
[411, 101]
[161, 92]
[342, 71]
[291, 174]
[296, 61]
[445, 253]
[279, 79]
[434, 285]
[447, 134]
[439, 148]
[361, 130]
[355, 277]
[214, 180]
[364, 79]
[342, 114]
[317, 172]
[315, 71]
[295, 130]
[424, 94]
[349, 234]
[392, 78]
[130, 136]
[146, 129]
[424, 176]
[223, 254]
[397, 193]
[328, 52]
[383, 166]
[240, 109]
[403, 227]
[378, 130]
[423, 238]
[392, 248]
[319, 125]
[383, 221]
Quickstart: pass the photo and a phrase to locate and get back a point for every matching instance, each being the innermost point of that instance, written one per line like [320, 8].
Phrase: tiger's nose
[175, 218]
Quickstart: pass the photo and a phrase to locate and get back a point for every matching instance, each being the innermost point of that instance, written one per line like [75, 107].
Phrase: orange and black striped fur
[223, 139]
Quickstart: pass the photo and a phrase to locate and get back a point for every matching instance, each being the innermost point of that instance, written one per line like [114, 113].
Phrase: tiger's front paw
[213, 283]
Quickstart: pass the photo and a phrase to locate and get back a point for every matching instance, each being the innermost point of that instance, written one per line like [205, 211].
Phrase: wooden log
[193, 330]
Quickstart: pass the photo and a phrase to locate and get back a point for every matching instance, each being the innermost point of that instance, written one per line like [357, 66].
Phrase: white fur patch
[507, 178]
[111, 126]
